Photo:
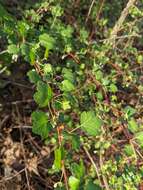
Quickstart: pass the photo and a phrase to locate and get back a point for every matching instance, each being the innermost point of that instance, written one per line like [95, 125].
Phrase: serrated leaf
[128, 150]
[43, 95]
[99, 75]
[73, 183]
[83, 35]
[66, 105]
[33, 76]
[57, 10]
[47, 41]
[47, 69]
[23, 27]
[68, 75]
[66, 32]
[133, 126]
[78, 170]
[13, 49]
[41, 126]
[129, 111]
[67, 86]
[90, 123]
[139, 138]
[24, 49]
[113, 88]
[91, 186]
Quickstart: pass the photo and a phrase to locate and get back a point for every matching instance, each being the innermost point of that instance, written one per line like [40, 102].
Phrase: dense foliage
[88, 87]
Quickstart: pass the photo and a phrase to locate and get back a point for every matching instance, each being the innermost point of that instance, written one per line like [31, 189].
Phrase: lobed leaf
[43, 95]
[41, 126]
[90, 123]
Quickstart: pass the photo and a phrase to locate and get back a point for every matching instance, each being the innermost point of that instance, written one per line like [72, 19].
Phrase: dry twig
[93, 163]
[120, 21]
[90, 8]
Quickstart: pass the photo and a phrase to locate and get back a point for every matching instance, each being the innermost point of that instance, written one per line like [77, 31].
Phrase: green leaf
[90, 123]
[91, 186]
[75, 142]
[67, 74]
[83, 35]
[73, 183]
[47, 41]
[129, 150]
[32, 55]
[4, 14]
[139, 138]
[41, 126]
[47, 69]
[58, 159]
[140, 59]
[113, 88]
[66, 32]
[99, 95]
[13, 49]
[57, 11]
[33, 76]
[129, 111]
[23, 28]
[43, 95]
[66, 105]
[133, 126]
[67, 86]
[25, 49]
[99, 75]
[46, 54]
[78, 170]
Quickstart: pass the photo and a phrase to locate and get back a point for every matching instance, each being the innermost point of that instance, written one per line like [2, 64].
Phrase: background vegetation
[79, 124]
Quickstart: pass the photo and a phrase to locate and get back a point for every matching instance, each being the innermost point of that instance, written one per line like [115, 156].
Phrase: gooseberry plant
[88, 91]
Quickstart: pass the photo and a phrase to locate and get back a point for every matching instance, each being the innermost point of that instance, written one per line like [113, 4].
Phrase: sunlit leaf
[90, 123]
[73, 183]
[46, 41]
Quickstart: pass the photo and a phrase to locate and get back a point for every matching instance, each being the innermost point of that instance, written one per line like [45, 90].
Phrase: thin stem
[90, 8]
[103, 176]
[94, 165]
[99, 12]
[121, 19]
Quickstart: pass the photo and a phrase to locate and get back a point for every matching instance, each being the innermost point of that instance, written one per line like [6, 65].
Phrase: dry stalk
[120, 21]
[100, 9]
[90, 8]
[94, 165]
